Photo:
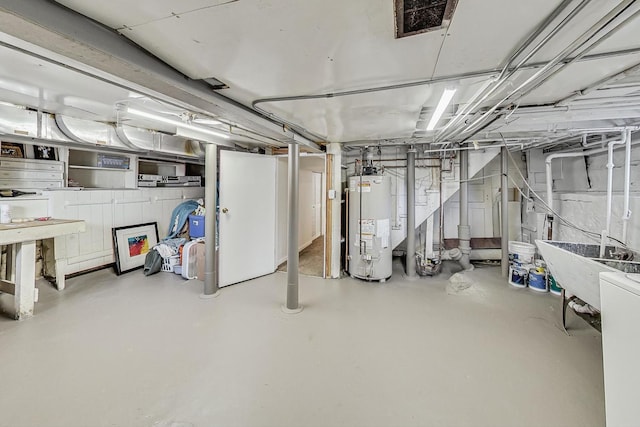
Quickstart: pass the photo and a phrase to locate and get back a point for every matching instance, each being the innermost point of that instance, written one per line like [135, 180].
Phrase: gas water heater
[369, 246]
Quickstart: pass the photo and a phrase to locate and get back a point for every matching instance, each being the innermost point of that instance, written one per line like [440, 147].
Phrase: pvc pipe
[549, 174]
[482, 95]
[505, 213]
[610, 166]
[210, 217]
[475, 254]
[293, 255]
[544, 73]
[626, 214]
[410, 260]
[464, 231]
[549, 171]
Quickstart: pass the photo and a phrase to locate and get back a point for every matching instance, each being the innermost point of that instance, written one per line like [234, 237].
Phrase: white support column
[410, 260]
[292, 305]
[25, 279]
[336, 149]
[504, 188]
[211, 201]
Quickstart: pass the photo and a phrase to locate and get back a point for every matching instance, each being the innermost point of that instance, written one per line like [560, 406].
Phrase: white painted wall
[308, 165]
[104, 209]
[484, 203]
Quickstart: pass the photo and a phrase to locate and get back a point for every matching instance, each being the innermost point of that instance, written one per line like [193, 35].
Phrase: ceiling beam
[65, 32]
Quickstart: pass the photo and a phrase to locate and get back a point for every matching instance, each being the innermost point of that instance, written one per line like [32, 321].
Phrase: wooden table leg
[60, 256]
[25, 284]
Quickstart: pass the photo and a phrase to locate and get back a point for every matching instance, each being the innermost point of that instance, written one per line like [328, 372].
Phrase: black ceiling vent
[419, 16]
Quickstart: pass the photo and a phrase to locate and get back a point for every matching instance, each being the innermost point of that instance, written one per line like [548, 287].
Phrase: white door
[317, 204]
[247, 216]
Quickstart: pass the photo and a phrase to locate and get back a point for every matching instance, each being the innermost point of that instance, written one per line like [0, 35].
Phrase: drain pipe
[292, 305]
[410, 261]
[610, 165]
[211, 202]
[626, 214]
[549, 173]
[505, 213]
[464, 231]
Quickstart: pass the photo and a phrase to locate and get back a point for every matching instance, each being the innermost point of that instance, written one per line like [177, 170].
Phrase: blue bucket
[196, 226]
[538, 280]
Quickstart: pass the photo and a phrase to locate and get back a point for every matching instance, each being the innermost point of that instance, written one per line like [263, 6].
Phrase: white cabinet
[104, 209]
[620, 304]
[31, 173]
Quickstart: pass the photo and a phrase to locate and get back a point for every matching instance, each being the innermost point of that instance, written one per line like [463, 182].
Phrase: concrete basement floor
[136, 351]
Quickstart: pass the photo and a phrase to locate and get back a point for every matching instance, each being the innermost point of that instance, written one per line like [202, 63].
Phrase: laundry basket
[168, 264]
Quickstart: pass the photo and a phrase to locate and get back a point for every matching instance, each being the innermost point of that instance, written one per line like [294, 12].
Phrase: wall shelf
[98, 168]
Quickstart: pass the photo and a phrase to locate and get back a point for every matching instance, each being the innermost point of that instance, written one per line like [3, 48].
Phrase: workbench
[23, 236]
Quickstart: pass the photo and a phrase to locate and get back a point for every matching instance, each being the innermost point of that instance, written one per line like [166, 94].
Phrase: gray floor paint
[136, 351]
[311, 262]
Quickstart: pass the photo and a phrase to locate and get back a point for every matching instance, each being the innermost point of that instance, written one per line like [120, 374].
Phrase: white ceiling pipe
[482, 95]
[549, 172]
[548, 70]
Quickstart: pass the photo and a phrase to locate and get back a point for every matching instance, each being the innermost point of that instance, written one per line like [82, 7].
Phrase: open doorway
[311, 232]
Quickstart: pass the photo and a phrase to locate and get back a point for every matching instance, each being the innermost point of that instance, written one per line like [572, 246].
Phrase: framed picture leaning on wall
[131, 245]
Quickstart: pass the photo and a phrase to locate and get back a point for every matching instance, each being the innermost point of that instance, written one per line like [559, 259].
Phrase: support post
[211, 202]
[25, 286]
[410, 261]
[464, 230]
[505, 212]
[293, 256]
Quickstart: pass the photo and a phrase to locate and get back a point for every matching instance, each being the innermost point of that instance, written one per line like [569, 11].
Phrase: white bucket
[521, 252]
[5, 214]
[518, 276]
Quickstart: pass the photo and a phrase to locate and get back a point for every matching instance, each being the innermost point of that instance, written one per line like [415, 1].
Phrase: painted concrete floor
[136, 351]
[311, 262]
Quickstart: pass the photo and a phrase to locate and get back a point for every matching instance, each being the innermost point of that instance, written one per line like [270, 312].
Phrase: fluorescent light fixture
[177, 123]
[447, 95]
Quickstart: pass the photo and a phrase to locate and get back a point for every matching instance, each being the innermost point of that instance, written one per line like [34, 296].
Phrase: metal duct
[89, 132]
[18, 121]
[148, 140]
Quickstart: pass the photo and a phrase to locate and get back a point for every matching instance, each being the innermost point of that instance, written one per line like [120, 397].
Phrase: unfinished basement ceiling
[264, 49]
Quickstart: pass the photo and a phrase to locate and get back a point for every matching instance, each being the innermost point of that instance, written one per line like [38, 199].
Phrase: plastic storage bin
[196, 226]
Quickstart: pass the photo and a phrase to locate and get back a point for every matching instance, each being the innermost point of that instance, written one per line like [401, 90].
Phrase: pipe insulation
[464, 230]
[410, 261]
[211, 202]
